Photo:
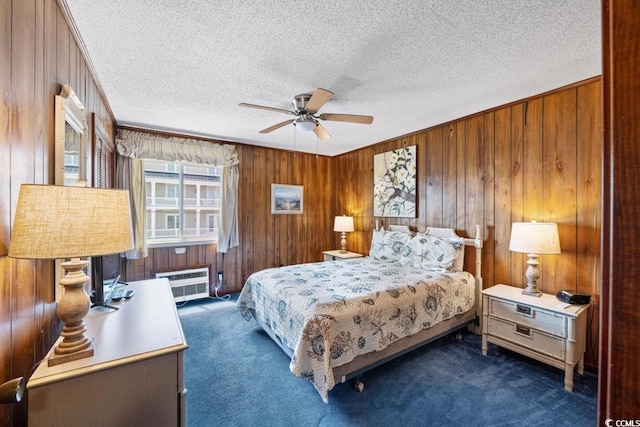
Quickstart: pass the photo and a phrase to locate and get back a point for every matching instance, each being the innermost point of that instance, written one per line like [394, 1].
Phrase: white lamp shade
[343, 224]
[535, 238]
[57, 222]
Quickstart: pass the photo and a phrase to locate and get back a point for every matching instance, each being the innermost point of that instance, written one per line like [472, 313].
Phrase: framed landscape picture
[286, 199]
[394, 185]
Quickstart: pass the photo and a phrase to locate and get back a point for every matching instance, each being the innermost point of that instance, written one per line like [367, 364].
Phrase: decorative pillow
[433, 252]
[388, 245]
[458, 245]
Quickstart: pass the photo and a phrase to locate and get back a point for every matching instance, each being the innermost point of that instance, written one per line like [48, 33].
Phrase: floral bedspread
[330, 312]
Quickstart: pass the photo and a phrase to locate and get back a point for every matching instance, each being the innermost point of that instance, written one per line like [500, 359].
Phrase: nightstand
[542, 328]
[338, 255]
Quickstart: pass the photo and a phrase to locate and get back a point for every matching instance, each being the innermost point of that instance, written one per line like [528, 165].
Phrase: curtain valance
[142, 145]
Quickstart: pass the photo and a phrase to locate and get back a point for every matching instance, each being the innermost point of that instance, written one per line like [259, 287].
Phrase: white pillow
[431, 252]
[388, 245]
[458, 245]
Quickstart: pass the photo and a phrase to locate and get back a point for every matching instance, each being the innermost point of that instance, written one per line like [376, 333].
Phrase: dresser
[338, 255]
[134, 378]
[542, 328]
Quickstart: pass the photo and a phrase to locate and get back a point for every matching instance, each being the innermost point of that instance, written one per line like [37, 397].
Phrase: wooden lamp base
[72, 308]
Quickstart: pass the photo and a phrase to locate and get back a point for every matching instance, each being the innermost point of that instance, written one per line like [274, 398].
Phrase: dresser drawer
[526, 315]
[527, 337]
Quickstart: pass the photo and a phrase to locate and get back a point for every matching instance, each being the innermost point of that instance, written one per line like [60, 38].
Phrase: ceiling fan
[306, 106]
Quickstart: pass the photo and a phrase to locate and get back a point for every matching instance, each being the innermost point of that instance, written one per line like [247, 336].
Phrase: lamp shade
[343, 223]
[57, 222]
[535, 238]
[305, 125]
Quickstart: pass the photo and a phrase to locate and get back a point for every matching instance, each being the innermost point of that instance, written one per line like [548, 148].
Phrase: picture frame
[287, 199]
[394, 186]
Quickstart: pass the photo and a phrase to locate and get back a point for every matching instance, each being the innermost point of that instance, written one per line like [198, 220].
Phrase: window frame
[180, 240]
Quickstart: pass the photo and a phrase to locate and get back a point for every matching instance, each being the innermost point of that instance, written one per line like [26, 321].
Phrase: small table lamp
[56, 222]
[343, 224]
[534, 238]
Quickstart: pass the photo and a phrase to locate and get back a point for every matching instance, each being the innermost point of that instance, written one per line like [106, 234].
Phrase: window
[182, 202]
[103, 158]
[172, 191]
[212, 222]
[173, 225]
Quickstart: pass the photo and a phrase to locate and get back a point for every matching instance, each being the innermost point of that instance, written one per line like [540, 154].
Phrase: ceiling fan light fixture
[306, 106]
[305, 124]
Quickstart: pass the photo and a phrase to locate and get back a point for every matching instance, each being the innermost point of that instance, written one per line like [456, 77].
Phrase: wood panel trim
[620, 319]
[604, 349]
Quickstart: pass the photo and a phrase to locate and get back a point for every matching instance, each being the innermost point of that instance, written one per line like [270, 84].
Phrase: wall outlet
[220, 277]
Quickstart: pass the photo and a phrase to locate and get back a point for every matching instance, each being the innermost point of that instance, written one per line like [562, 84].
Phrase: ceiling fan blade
[321, 132]
[262, 107]
[278, 126]
[351, 118]
[318, 99]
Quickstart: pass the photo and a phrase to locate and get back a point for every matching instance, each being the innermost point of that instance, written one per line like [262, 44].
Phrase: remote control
[129, 293]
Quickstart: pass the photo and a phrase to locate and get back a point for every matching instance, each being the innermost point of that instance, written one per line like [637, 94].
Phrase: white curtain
[228, 226]
[141, 145]
[130, 176]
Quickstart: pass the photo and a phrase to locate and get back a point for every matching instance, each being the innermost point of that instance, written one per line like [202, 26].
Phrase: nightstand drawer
[526, 315]
[527, 337]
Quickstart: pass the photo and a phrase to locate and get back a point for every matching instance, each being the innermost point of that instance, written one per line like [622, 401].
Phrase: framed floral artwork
[394, 185]
[286, 199]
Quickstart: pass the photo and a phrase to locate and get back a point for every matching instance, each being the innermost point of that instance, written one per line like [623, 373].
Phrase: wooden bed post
[476, 242]
[478, 274]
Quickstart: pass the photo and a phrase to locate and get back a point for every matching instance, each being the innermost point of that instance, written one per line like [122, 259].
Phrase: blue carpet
[236, 376]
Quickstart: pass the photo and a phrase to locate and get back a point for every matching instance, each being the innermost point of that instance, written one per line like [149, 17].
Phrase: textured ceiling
[185, 66]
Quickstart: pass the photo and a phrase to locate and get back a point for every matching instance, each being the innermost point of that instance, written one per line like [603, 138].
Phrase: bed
[338, 319]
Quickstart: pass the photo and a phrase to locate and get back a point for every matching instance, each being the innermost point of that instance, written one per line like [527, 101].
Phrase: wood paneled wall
[38, 54]
[537, 159]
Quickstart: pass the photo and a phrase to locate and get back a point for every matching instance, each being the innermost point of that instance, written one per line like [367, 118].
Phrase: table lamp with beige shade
[67, 223]
[534, 238]
[343, 224]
